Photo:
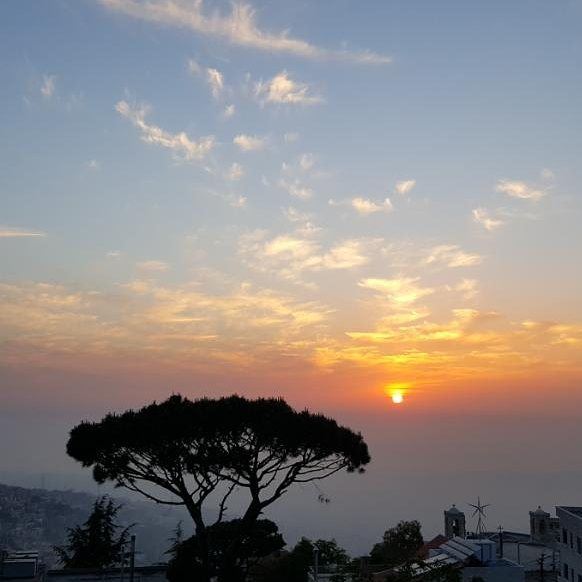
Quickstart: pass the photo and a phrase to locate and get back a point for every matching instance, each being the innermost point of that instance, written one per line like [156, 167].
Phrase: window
[564, 535]
[579, 577]
[579, 546]
[566, 572]
[571, 540]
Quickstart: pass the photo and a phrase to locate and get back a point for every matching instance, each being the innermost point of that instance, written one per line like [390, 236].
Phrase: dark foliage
[96, 543]
[201, 451]
[295, 566]
[262, 540]
[400, 545]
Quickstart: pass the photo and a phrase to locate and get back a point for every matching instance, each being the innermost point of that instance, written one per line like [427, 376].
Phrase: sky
[369, 208]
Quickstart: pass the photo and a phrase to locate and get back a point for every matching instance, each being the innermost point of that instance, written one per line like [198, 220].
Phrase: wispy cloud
[235, 172]
[213, 77]
[15, 232]
[290, 256]
[48, 86]
[281, 89]
[296, 189]
[153, 266]
[249, 143]
[404, 187]
[518, 189]
[239, 28]
[229, 111]
[483, 217]
[401, 290]
[180, 323]
[290, 137]
[216, 81]
[452, 256]
[467, 288]
[364, 206]
[183, 146]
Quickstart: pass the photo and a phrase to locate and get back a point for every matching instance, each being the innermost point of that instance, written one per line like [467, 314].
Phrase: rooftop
[577, 511]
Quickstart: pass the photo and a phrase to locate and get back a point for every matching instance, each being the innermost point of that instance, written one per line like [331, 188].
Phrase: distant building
[475, 559]
[543, 528]
[20, 566]
[570, 543]
[455, 523]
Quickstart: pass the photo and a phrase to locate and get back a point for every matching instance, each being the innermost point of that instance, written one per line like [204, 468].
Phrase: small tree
[196, 453]
[95, 544]
[262, 540]
[400, 544]
[329, 553]
[176, 540]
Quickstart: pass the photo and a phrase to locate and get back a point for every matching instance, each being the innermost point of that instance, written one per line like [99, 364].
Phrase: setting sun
[396, 391]
[397, 397]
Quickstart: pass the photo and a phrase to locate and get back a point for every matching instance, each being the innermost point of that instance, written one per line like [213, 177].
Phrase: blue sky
[323, 200]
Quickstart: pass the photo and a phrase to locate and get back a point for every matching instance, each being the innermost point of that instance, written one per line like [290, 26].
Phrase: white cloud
[216, 81]
[153, 266]
[518, 189]
[249, 143]
[452, 256]
[239, 27]
[194, 67]
[348, 254]
[235, 172]
[15, 232]
[213, 77]
[282, 89]
[290, 137]
[290, 256]
[483, 217]
[404, 186]
[229, 111]
[93, 164]
[182, 146]
[239, 201]
[547, 174]
[400, 291]
[364, 206]
[296, 189]
[306, 162]
[467, 288]
[48, 86]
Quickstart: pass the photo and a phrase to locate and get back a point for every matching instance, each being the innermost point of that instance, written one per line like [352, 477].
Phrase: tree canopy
[192, 453]
[261, 540]
[95, 544]
[399, 545]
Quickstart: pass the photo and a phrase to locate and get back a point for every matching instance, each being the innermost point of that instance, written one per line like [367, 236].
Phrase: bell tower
[543, 528]
[454, 523]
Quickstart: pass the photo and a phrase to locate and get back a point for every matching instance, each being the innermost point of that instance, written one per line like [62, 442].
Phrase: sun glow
[397, 397]
[396, 391]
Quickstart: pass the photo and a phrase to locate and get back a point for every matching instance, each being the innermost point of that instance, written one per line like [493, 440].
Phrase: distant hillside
[39, 519]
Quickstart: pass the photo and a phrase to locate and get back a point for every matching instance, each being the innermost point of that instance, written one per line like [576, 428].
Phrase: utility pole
[541, 561]
[132, 559]
[316, 565]
[500, 529]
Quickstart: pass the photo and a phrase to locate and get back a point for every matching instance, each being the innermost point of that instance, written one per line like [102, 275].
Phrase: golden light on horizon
[397, 391]
[397, 397]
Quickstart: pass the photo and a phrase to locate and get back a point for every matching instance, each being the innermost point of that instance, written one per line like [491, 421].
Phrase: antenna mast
[480, 513]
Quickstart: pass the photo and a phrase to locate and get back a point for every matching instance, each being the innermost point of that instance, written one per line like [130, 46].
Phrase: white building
[570, 544]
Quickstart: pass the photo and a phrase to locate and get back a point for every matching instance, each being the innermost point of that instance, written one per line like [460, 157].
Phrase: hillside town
[33, 522]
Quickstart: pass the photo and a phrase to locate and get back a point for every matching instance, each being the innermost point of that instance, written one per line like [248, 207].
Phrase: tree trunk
[200, 527]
